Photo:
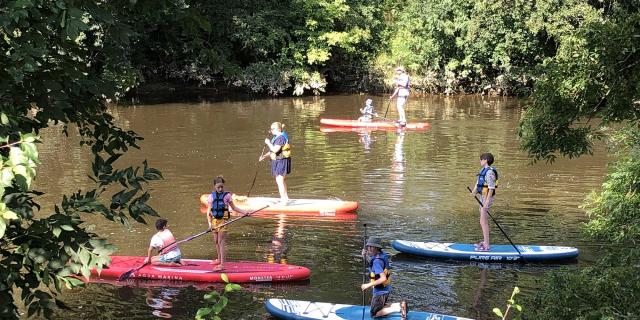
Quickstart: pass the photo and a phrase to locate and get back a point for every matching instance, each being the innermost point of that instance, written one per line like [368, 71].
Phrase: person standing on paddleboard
[379, 274]
[163, 238]
[486, 186]
[280, 154]
[218, 204]
[402, 83]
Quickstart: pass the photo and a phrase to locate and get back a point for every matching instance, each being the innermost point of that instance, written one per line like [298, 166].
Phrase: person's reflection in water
[477, 300]
[397, 168]
[279, 246]
[161, 300]
[365, 139]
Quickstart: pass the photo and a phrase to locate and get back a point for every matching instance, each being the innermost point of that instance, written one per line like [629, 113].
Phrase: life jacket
[387, 270]
[482, 186]
[218, 207]
[285, 150]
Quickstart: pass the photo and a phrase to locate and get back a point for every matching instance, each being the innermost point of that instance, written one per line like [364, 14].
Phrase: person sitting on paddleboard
[367, 111]
[379, 274]
[171, 255]
[485, 185]
[218, 204]
[280, 154]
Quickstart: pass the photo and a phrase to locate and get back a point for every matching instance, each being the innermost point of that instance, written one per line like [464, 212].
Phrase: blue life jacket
[218, 207]
[387, 270]
[482, 184]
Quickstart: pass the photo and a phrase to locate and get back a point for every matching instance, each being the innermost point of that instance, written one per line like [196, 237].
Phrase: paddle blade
[126, 275]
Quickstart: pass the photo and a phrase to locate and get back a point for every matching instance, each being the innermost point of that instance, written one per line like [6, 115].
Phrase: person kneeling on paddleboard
[379, 273]
[171, 255]
[367, 111]
[218, 204]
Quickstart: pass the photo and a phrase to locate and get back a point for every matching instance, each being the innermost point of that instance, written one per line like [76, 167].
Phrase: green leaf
[56, 232]
[66, 227]
[224, 277]
[498, 312]
[4, 120]
[203, 312]
[9, 215]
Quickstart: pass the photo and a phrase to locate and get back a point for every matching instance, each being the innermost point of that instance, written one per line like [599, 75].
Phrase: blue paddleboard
[498, 253]
[296, 309]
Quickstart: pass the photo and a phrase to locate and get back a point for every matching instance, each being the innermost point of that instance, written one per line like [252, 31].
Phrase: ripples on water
[410, 185]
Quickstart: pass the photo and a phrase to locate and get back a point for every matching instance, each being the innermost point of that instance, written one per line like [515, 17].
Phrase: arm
[149, 254]
[208, 213]
[491, 184]
[381, 280]
[394, 93]
[236, 209]
[272, 147]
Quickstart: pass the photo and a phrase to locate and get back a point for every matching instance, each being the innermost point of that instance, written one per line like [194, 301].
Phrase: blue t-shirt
[378, 268]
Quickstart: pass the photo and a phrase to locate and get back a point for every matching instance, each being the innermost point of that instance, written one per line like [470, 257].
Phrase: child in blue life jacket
[367, 111]
[485, 185]
[379, 274]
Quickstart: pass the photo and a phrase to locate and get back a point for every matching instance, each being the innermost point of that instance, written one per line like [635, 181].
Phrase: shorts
[171, 256]
[217, 222]
[280, 167]
[490, 202]
[378, 303]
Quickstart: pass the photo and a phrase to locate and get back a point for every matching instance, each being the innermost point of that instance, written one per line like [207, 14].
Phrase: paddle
[128, 274]
[256, 175]
[364, 263]
[385, 113]
[497, 224]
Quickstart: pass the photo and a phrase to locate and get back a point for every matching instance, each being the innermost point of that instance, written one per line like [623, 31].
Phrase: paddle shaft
[256, 174]
[128, 274]
[497, 224]
[385, 113]
[364, 264]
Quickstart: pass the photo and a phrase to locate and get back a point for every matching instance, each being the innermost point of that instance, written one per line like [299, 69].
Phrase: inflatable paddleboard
[296, 309]
[374, 124]
[201, 270]
[498, 253]
[310, 207]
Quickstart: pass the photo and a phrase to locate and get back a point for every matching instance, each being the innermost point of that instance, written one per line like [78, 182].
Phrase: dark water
[410, 186]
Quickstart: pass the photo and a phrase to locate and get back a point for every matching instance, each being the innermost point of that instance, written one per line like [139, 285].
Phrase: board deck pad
[498, 253]
[373, 124]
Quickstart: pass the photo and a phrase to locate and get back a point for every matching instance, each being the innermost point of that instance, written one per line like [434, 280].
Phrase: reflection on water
[161, 301]
[410, 185]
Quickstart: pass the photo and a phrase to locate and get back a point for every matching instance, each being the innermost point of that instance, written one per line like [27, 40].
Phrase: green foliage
[610, 289]
[593, 76]
[615, 210]
[61, 60]
[511, 303]
[219, 300]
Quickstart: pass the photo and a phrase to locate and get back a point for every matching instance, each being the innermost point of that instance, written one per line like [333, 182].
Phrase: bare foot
[404, 309]
[214, 262]
[218, 268]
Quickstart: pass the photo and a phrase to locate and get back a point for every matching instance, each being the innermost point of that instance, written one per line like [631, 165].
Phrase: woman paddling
[280, 153]
[218, 204]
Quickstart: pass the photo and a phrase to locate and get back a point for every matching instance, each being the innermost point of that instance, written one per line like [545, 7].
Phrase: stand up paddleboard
[201, 270]
[296, 309]
[498, 253]
[311, 207]
[347, 123]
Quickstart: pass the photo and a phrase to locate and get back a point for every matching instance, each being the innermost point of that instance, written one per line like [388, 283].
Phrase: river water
[410, 185]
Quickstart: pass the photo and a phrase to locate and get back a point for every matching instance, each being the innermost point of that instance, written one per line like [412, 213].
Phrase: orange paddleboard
[310, 207]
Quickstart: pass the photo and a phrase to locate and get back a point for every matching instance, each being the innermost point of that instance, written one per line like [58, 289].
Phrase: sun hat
[368, 102]
[374, 242]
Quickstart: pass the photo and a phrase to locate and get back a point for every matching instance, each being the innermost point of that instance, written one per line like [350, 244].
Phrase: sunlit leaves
[219, 300]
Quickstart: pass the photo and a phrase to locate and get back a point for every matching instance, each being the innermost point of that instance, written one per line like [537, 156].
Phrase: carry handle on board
[497, 224]
[128, 274]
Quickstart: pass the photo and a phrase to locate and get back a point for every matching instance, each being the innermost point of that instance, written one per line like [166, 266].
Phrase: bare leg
[282, 188]
[484, 224]
[221, 242]
[394, 307]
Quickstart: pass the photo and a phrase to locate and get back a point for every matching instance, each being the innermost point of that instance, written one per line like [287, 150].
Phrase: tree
[61, 61]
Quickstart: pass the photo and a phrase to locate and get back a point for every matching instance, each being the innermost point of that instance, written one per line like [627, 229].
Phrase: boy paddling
[379, 273]
[162, 239]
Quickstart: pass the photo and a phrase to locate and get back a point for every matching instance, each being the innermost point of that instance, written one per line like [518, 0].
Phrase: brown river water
[410, 185]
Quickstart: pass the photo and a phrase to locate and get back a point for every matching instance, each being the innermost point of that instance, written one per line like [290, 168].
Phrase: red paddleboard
[306, 207]
[373, 124]
[201, 271]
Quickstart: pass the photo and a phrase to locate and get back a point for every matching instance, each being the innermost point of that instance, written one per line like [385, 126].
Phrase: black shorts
[378, 303]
